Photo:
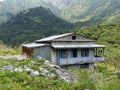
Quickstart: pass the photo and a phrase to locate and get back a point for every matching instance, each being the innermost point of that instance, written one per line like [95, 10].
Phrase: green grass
[22, 81]
[7, 61]
[86, 78]
[5, 50]
[102, 78]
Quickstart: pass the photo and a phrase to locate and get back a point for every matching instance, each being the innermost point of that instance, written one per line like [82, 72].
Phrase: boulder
[19, 69]
[9, 67]
[27, 69]
[45, 72]
[35, 73]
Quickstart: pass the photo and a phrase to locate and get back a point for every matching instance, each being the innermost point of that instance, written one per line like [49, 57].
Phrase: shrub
[118, 75]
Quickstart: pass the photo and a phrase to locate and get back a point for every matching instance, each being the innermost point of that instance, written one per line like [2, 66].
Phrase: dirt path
[19, 57]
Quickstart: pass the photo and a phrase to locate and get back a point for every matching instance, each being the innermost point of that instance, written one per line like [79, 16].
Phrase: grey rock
[19, 69]
[9, 67]
[27, 68]
[35, 73]
[2, 69]
[45, 72]
[46, 61]
[51, 75]
[34, 63]
[39, 57]
[59, 72]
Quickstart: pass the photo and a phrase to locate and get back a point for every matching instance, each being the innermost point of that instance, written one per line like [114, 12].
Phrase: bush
[118, 75]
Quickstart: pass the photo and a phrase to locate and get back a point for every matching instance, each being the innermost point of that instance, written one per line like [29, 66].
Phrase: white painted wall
[78, 59]
[53, 55]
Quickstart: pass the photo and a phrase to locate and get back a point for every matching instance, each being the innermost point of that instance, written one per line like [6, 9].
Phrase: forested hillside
[92, 12]
[105, 77]
[24, 21]
[108, 35]
[103, 33]
[32, 24]
[88, 12]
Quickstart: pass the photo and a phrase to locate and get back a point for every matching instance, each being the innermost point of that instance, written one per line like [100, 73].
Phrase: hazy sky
[1, 0]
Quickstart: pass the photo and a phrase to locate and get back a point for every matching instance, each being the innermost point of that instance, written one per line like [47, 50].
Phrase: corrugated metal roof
[32, 45]
[53, 37]
[79, 46]
[56, 38]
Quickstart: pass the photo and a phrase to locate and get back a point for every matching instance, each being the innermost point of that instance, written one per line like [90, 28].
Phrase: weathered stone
[46, 61]
[19, 69]
[59, 72]
[9, 67]
[63, 74]
[45, 72]
[34, 63]
[52, 75]
[39, 57]
[27, 69]
[35, 73]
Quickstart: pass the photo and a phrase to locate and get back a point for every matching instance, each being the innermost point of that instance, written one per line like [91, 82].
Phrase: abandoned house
[66, 50]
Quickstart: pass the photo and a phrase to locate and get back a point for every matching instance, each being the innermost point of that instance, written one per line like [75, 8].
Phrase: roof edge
[54, 37]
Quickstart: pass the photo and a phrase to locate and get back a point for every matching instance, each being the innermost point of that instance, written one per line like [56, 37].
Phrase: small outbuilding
[36, 50]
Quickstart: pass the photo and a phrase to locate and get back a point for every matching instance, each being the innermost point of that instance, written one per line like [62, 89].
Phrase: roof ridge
[53, 37]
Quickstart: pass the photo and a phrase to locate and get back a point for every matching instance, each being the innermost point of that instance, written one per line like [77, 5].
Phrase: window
[73, 37]
[61, 54]
[85, 52]
[64, 53]
[74, 53]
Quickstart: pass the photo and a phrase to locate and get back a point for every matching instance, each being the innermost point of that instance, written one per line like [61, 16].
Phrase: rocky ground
[41, 69]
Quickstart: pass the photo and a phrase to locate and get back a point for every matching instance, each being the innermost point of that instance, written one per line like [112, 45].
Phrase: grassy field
[105, 77]
[101, 78]
[5, 50]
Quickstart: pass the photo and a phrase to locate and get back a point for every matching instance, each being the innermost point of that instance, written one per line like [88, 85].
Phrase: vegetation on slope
[84, 11]
[108, 35]
[105, 77]
[100, 78]
[5, 50]
[22, 80]
[28, 26]
[89, 12]
[31, 25]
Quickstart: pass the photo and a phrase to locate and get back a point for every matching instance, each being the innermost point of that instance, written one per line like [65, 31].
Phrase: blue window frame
[62, 53]
[74, 53]
[85, 52]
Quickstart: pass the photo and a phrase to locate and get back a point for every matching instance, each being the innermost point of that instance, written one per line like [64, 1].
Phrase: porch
[79, 54]
[80, 61]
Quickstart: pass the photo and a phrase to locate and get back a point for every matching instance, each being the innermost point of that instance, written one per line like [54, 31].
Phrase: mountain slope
[95, 11]
[84, 11]
[108, 35]
[32, 24]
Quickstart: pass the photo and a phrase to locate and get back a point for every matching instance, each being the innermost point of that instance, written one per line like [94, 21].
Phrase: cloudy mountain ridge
[96, 11]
